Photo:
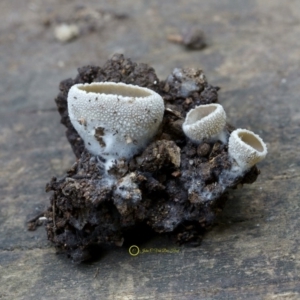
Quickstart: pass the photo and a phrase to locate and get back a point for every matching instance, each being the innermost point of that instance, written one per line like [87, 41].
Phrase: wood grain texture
[253, 55]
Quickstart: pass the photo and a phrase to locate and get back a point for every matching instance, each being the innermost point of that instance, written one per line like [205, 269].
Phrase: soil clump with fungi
[173, 186]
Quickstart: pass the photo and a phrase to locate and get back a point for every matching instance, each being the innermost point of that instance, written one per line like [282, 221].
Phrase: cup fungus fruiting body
[246, 148]
[114, 119]
[205, 121]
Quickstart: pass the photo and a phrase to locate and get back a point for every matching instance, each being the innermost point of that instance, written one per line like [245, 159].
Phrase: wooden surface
[253, 54]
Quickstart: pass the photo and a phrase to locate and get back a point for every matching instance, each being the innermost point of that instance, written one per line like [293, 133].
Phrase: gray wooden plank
[253, 53]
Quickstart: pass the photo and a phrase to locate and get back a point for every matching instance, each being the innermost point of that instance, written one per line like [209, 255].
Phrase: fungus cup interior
[200, 113]
[115, 89]
[251, 140]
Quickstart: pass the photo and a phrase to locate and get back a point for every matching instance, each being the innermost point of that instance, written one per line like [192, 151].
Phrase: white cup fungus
[246, 148]
[114, 119]
[205, 121]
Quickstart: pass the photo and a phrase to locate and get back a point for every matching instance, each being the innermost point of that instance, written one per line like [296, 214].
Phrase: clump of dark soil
[173, 186]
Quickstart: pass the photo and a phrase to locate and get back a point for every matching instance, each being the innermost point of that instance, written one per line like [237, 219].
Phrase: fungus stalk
[246, 148]
[115, 120]
[205, 121]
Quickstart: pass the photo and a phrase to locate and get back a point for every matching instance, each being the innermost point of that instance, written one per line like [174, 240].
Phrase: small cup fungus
[114, 119]
[205, 121]
[246, 148]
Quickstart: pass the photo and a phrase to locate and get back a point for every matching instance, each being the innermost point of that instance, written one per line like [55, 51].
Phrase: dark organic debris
[173, 186]
[36, 221]
[192, 38]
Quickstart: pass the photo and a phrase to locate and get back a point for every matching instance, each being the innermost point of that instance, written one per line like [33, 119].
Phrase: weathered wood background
[253, 54]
